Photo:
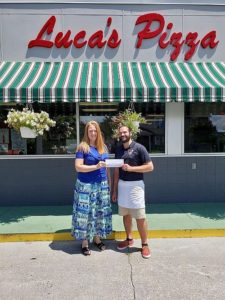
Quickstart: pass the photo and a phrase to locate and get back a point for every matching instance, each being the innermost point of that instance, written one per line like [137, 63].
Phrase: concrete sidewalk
[33, 223]
[179, 269]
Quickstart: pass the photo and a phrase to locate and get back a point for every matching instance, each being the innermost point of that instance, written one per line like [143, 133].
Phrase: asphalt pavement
[191, 268]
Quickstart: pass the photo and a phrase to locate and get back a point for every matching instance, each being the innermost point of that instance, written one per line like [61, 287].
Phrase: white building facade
[82, 60]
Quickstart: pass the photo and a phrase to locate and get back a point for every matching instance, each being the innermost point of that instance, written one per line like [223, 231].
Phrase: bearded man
[129, 188]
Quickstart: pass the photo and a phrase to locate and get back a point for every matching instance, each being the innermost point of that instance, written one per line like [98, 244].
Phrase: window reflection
[62, 138]
[102, 113]
[59, 140]
[205, 127]
[152, 134]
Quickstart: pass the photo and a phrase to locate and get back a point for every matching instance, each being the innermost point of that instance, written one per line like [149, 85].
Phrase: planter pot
[27, 133]
[136, 123]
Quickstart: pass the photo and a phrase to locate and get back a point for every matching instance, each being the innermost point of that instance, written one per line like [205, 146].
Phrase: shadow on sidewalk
[69, 247]
[74, 247]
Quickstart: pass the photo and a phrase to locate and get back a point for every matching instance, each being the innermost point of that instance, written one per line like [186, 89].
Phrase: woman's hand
[101, 164]
[81, 167]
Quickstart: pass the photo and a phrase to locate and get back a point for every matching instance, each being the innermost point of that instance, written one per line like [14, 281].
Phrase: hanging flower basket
[129, 118]
[27, 120]
[28, 133]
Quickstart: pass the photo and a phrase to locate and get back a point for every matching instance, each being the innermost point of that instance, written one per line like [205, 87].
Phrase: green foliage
[65, 127]
[129, 118]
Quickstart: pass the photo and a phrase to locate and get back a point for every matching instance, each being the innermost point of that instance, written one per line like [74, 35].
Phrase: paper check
[114, 163]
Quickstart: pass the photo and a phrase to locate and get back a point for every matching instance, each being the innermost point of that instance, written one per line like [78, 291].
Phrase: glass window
[152, 134]
[204, 127]
[60, 139]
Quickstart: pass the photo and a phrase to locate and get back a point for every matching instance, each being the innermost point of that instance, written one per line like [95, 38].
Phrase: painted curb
[117, 235]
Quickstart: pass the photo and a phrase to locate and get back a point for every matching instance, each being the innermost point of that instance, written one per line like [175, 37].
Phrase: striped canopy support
[112, 81]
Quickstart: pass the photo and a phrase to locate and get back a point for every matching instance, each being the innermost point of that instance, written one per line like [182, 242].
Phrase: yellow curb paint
[187, 233]
[116, 235]
[32, 237]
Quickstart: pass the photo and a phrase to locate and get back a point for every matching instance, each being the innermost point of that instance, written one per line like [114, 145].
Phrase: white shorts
[131, 194]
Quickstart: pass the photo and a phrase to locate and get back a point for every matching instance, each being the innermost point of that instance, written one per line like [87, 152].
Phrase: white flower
[39, 122]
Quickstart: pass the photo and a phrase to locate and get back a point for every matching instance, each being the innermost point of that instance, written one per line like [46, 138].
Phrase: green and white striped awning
[112, 81]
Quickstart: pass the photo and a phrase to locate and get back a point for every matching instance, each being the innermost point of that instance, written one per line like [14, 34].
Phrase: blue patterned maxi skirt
[92, 213]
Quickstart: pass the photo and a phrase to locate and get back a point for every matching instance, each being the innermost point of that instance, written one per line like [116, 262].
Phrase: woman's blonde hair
[85, 144]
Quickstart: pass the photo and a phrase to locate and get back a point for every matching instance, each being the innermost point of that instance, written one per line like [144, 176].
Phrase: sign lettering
[155, 28]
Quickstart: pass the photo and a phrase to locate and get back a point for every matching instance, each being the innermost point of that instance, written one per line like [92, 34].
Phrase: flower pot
[136, 124]
[27, 133]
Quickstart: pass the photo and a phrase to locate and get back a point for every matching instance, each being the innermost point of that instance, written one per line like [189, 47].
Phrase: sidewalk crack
[131, 274]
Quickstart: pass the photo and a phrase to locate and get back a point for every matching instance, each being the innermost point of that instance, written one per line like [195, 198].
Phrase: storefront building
[84, 60]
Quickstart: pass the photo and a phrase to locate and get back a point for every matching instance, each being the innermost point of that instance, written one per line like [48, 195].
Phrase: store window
[60, 139]
[152, 134]
[204, 127]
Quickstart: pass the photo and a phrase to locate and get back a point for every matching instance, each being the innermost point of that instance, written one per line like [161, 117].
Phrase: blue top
[135, 155]
[92, 158]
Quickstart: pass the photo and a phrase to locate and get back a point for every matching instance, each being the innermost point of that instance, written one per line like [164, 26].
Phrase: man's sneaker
[125, 244]
[145, 251]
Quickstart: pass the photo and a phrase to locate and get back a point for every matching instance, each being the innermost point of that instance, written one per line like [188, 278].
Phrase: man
[129, 187]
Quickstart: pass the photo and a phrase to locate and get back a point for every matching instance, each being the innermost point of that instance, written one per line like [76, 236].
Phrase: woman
[92, 214]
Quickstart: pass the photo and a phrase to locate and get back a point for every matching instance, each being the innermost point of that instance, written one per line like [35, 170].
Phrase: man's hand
[148, 167]
[114, 197]
[127, 168]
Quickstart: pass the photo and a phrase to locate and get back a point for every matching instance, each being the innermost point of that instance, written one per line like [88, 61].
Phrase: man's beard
[124, 141]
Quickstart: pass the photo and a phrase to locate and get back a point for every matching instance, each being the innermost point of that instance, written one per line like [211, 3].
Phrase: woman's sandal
[86, 251]
[101, 246]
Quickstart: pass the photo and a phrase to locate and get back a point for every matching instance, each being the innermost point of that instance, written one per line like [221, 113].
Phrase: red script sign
[176, 40]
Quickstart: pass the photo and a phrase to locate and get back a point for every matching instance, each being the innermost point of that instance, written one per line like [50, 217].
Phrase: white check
[114, 163]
